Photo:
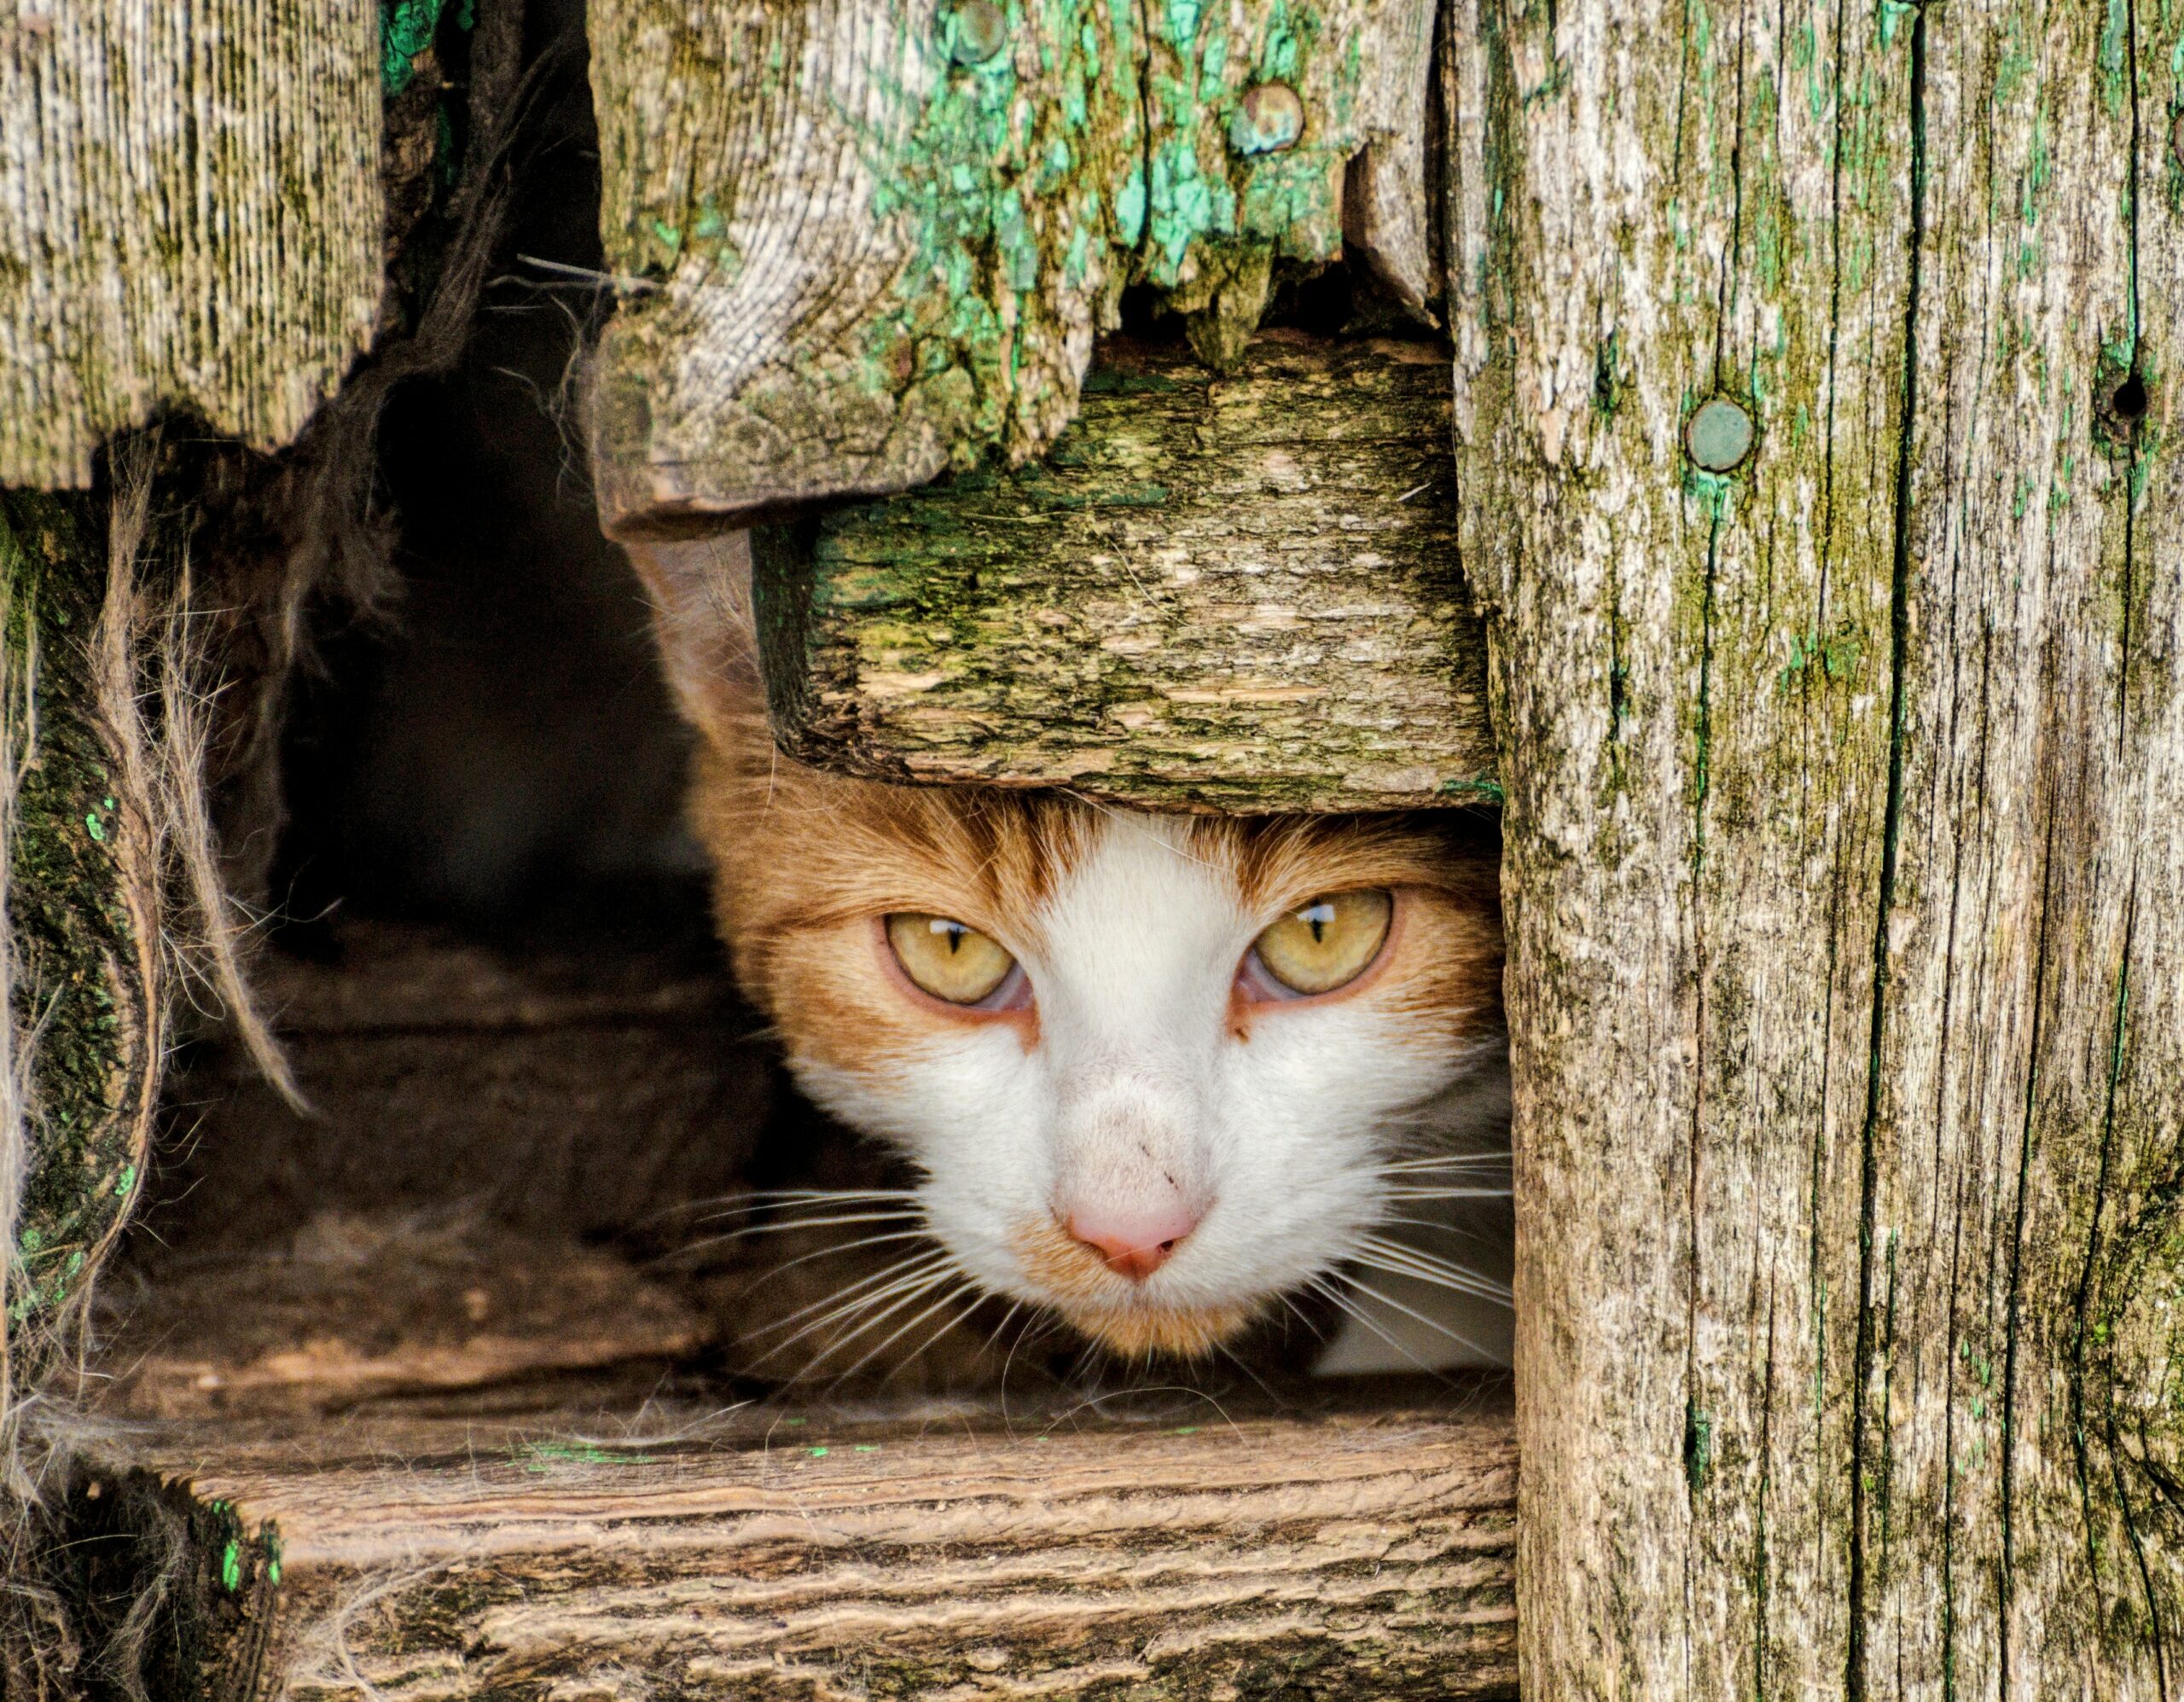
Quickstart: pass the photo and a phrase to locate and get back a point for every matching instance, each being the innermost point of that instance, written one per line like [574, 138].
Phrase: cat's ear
[700, 593]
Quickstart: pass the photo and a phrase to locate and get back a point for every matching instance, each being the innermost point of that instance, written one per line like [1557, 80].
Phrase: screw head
[1719, 435]
[976, 30]
[1269, 118]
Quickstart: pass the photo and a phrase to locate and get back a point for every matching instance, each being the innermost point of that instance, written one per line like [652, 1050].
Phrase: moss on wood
[80, 994]
[1214, 592]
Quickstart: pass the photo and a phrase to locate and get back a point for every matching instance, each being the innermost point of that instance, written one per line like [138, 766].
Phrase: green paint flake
[2114, 59]
[231, 1565]
[95, 828]
[125, 1182]
[867, 1448]
[406, 30]
[818, 1452]
[1698, 1446]
[538, 1458]
[1710, 490]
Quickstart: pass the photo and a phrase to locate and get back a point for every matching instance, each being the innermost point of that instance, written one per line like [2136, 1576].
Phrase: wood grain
[1235, 592]
[823, 1555]
[863, 241]
[1841, 850]
[190, 219]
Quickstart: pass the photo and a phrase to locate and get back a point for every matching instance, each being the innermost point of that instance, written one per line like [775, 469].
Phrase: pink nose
[1133, 1243]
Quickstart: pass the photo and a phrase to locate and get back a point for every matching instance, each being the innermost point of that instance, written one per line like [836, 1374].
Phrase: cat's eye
[947, 959]
[1327, 944]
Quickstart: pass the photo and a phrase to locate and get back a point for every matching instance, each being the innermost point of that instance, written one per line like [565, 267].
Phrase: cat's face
[1154, 1069]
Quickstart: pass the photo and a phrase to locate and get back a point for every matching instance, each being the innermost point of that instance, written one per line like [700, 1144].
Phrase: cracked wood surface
[863, 241]
[818, 1553]
[1237, 593]
[1845, 887]
[190, 219]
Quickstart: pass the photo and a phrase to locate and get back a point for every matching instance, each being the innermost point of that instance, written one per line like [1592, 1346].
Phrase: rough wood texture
[557, 1093]
[1236, 593]
[83, 977]
[867, 240]
[189, 218]
[350, 1309]
[1845, 887]
[817, 1554]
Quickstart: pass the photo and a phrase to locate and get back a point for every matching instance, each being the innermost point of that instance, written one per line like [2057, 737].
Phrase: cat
[1158, 1075]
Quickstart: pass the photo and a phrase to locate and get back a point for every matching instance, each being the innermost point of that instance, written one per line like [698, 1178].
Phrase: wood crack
[1891, 832]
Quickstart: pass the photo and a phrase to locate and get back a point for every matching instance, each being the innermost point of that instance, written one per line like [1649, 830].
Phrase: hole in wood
[560, 1235]
[2130, 399]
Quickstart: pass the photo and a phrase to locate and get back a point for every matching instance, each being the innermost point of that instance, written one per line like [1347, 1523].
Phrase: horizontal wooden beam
[783, 1553]
[1238, 593]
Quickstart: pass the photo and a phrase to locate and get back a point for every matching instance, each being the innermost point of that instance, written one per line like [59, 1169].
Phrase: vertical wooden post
[1821, 456]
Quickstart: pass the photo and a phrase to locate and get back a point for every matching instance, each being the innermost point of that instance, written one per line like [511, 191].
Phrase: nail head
[2176, 138]
[979, 31]
[1719, 435]
[1269, 118]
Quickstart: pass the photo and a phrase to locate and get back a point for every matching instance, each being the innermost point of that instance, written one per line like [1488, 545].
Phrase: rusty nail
[1269, 118]
[1719, 435]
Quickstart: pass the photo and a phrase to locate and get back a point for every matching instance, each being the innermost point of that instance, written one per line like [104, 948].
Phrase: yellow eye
[1328, 943]
[951, 961]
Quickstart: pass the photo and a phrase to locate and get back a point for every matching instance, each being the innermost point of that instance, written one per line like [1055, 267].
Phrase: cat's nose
[1132, 1244]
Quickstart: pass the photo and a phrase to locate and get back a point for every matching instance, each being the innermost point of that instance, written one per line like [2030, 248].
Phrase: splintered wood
[1238, 593]
[865, 241]
[190, 219]
[816, 1555]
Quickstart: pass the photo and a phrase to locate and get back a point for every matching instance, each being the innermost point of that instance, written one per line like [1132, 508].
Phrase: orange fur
[805, 864]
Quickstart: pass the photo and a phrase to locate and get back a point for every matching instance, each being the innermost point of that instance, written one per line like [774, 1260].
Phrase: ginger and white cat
[1158, 1073]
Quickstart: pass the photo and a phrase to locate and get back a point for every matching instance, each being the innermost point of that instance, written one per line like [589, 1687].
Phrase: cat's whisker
[1416, 1317]
[895, 1271]
[1422, 1193]
[1444, 1226]
[788, 1224]
[847, 1248]
[993, 1337]
[970, 1291]
[845, 1324]
[1398, 1260]
[1446, 1161]
[744, 1206]
[1302, 1316]
[1343, 1304]
[962, 1286]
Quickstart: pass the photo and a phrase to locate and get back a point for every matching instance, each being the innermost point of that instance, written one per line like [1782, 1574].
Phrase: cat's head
[1154, 1069]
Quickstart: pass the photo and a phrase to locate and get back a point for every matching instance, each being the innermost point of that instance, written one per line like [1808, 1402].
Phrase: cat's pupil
[1318, 916]
[954, 931]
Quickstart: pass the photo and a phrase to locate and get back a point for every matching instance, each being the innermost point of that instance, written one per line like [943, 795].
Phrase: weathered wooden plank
[869, 241]
[189, 218]
[1236, 593]
[816, 1553]
[1842, 772]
